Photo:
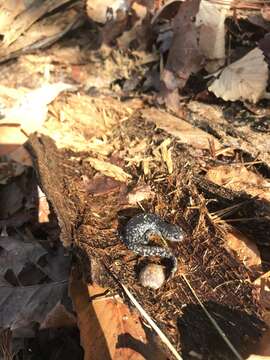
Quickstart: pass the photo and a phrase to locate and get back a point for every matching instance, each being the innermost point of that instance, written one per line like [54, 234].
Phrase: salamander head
[173, 233]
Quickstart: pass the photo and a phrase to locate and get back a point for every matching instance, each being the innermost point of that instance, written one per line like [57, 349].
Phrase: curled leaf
[245, 79]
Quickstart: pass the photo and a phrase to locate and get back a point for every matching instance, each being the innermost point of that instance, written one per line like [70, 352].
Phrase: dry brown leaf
[132, 34]
[245, 79]
[263, 348]
[184, 56]
[29, 303]
[9, 170]
[12, 198]
[265, 11]
[58, 317]
[25, 19]
[181, 129]
[246, 250]
[108, 329]
[9, 10]
[263, 283]
[20, 155]
[167, 11]
[238, 177]
[109, 169]
[42, 34]
[263, 289]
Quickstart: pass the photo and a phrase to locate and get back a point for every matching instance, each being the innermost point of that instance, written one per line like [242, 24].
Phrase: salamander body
[140, 227]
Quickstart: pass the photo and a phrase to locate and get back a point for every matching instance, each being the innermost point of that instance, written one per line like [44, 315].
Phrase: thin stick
[162, 336]
[213, 321]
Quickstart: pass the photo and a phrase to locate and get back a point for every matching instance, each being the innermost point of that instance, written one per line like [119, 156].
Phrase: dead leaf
[108, 329]
[103, 10]
[128, 36]
[59, 317]
[245, 249]
[21, 155]
[42, 34]
[23, 20]
[184, 56]
[167, 11]
[263, 283]
[264, 44]
[210, 21]
[8, 12]
[108, 169]
[23, 305]
[99, 146]
[258, 20]
[9, 170]
[245, 79]
[265, 11]
[27, 116]
[26, 303]
[263, 289]
[15, 254]
[57, 266]
[238, 177]
[11, 198]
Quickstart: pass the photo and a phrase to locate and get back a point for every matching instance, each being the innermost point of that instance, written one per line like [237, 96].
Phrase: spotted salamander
[138, 229]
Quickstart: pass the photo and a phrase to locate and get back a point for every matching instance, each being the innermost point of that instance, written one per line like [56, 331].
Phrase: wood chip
[109, 169]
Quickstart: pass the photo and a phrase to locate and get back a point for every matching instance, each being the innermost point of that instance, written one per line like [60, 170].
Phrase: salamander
[138, 229]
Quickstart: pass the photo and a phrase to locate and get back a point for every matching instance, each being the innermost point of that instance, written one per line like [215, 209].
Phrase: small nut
[152, 276]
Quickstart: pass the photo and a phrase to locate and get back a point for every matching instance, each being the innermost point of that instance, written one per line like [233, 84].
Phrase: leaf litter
[197, 167]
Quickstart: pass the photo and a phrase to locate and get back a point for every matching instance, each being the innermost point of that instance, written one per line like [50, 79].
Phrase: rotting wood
[49, 167]
[220, 281]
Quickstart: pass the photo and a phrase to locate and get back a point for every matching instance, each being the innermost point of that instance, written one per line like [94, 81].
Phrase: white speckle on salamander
[140, 227]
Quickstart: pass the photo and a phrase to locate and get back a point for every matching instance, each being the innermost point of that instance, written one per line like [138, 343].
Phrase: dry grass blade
[162, 336]
[217, 215]
[213, 321]
[248, 219]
